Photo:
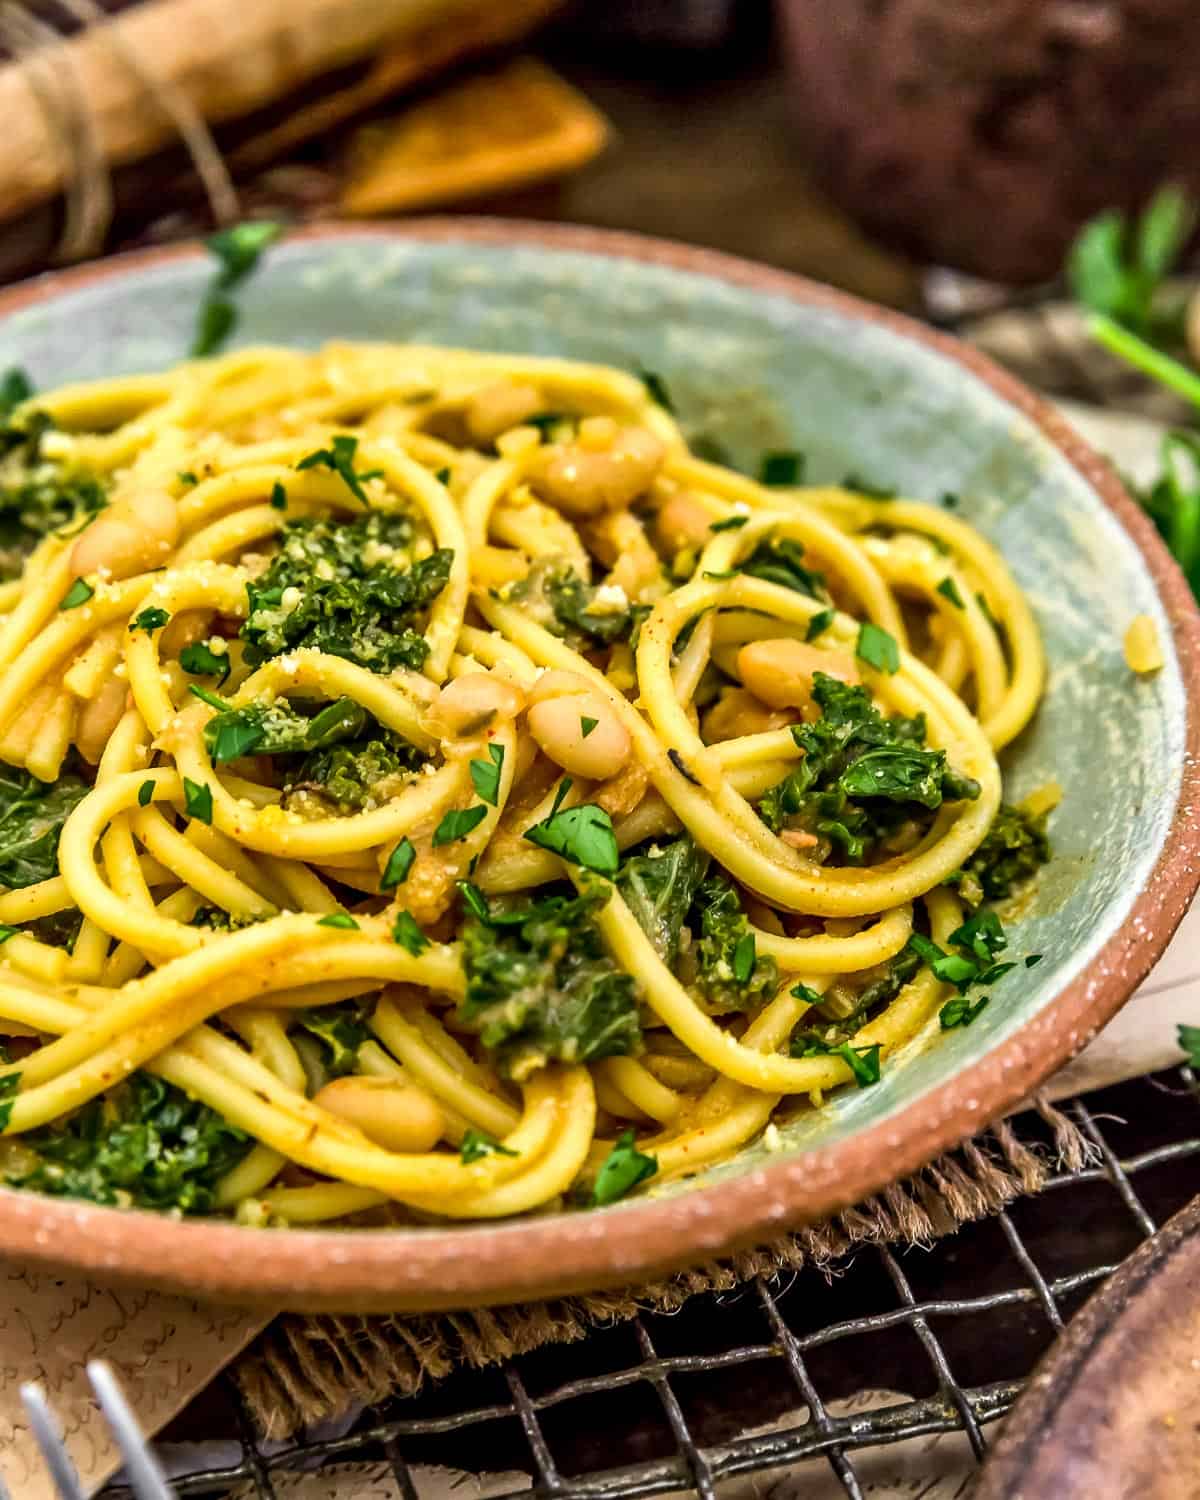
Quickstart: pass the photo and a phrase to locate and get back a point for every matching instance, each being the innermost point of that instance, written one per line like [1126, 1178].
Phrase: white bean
[780, 672]
[395, 1115]
[584, 480]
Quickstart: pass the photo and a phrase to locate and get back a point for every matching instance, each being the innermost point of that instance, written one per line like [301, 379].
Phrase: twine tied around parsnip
[41, 52]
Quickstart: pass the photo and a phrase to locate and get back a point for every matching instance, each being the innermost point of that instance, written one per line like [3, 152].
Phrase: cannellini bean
[736, 713]
[584, 480]
[780, 672]
[473, 702]
[581, 733]
[136, 533]
[495, 408]
[98, 717]
[558, 684]
[681, 522]
[395, 1115]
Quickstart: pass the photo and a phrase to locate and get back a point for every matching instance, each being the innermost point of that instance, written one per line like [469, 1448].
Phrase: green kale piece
[145, 1144]
[573, 603]
[341, 1031]
[862, 776]
[811, 1041]
[541, 986]
[348, 774]
[781, 561]
[728, 970]
[38, 495]
[659, 887]
[361, 595]
[1013, 850]
[32, 814]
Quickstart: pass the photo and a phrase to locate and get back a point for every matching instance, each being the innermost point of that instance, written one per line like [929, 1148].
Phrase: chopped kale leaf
[143, 1145]
[781, 561]
[341, 1032]
[864, 779]
[1013, 850]
[659, 887]
[541, 986]
[728, 970]
[575, 612]
[32, 814]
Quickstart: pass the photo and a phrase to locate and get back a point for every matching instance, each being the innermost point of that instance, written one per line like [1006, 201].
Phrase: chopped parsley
[586, 725]
[781, 467]
[581, 835]
[485, 775]
[457, 823]
[278, 499]
[339, 457]
[408, 934]
[201, 662]
[10, 1083]
[79, 593]
[476, 1144]
[145, 794]
[878, 648]
[656, 389]
[621, 1171]
[237, 251]
[198, 800]
[729, 971]
[869, 491]
[341, 1032]
[399, 863]
[819, 624]
[729, 523]
[149, 620]
[950, 590]
[781, 561]
[340, 919]
[1189, 1042]
[960, 1011]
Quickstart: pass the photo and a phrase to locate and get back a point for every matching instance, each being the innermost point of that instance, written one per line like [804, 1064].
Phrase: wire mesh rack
[763, 1379]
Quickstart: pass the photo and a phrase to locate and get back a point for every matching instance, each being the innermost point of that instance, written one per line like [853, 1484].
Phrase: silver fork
[141, 1467]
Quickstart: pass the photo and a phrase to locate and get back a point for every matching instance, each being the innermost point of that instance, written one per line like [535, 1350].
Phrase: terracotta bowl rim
[471, 1265]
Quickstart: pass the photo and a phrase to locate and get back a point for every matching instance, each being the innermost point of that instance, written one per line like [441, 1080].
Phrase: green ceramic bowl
[755, 359]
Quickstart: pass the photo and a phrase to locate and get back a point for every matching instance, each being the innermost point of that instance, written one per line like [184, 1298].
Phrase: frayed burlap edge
[305, 1370]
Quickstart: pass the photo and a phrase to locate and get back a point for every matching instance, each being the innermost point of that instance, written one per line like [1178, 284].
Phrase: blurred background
[862, 142]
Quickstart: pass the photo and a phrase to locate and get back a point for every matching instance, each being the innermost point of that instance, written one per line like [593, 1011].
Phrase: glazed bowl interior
[751, 365]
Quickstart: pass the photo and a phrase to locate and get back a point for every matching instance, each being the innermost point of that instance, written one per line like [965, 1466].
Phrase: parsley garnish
[149, 620]
[1189, 1040]
[819, 624]
[237, 250]
[400, 862]
[744, 955]
[213, 701]
[868, 490]
[863, 1062]
[730, 523]
[877, 648]
[339, 919]
[457, 824]
[443, 476]
[485, 775]
[7, 932]
[79, 593]
[656, 389]
[408, 934]
[476, 1145]
[949, 590]
[623, 1168]
[201, 662]
[197, 800]
[806, 994]
[1032, 959]
[581, 835]
[278, 499]
[145, 793]
[782, 467]
[185, 476]
[339, 457]
[960, 1011]
[586, 725]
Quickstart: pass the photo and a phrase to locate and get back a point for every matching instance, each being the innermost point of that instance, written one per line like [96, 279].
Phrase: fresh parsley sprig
[237, 251]
[621, 1171]
[581, 835]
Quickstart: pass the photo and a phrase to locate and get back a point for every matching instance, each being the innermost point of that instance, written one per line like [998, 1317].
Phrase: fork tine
[145, 1476]
[48, 1436]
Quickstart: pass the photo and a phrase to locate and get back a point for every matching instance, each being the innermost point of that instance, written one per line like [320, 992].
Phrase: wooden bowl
[755, 359]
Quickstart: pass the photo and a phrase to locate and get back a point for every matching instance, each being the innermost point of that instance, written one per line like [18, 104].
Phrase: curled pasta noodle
[446, 796]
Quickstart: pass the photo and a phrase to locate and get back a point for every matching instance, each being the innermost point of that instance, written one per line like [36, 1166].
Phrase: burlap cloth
[304, 1370]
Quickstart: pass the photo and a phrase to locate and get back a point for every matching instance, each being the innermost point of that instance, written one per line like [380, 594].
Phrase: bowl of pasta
[546, 757]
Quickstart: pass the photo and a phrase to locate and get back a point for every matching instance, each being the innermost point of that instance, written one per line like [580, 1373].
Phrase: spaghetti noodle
[438, 792]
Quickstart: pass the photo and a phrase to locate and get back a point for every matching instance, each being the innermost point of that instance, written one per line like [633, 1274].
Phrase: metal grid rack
[668, 1400]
